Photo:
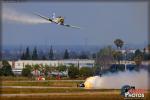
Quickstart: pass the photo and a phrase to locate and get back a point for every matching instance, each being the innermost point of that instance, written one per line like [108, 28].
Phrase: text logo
[131, 92]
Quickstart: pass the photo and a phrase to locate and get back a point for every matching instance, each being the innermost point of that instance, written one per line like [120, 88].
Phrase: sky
[101, 23]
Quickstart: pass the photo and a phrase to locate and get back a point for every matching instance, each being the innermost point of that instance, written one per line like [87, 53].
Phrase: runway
[60, 94]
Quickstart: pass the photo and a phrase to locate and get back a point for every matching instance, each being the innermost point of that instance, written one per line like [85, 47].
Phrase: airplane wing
[71, 26]
[44, 17]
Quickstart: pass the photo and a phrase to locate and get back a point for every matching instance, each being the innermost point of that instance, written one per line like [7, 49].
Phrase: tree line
[73, 71]
[35, 55]
[138, 56]
[45, 70]
[108, 59]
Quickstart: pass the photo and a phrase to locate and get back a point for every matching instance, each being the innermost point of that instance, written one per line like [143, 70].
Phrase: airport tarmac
[51, 94]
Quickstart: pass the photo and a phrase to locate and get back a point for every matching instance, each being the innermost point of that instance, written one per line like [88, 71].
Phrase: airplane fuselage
[58, 20]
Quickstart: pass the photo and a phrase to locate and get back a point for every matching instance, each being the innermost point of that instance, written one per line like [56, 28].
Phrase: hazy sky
[100, 22]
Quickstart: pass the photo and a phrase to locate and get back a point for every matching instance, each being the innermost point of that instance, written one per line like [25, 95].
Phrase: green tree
[145, 55]
[27, 71]
[36, 68]
[85, 72]
[61, 68]
[148, 52]
[34, 54]
[6, 68]
[73, 72]
[51, 54]
[47, 70]
[96, 69]
[138, 57]
[27, 54]
[105, 51]
[5, 63]
[119, 43]
[105, 57]
[42, 69]
[66, 54]
[138, 60]
[118, 56]
[138, 52]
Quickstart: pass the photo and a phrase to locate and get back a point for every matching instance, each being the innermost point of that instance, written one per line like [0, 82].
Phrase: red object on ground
[40, 78]
[58, 77]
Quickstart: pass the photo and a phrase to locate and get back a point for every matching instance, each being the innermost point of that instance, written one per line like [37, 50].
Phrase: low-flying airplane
[57, 20]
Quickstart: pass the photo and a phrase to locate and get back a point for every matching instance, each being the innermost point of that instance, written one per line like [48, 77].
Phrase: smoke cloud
[117, 80]
[13, 15]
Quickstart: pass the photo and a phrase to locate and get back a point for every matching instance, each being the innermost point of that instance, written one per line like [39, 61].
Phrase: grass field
[17, 78]
[21, 78]
[51, 90]
[22, 89]
[55, 83]
[67, 97]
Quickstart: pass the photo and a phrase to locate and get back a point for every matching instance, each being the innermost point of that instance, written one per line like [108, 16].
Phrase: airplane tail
[53, 16]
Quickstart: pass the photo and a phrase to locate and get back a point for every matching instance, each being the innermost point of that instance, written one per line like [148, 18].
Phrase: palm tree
[117, 56]
[36, 69]
[138, 57]
[138, 60]
[119, 43]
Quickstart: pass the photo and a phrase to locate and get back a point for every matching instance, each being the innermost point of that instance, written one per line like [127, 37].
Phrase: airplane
[57, 20]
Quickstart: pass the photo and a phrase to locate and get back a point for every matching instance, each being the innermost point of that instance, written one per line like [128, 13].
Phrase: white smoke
[13, 15]
[116, 81]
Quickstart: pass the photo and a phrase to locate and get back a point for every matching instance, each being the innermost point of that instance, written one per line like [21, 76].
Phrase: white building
[17, 66]
[129, 51]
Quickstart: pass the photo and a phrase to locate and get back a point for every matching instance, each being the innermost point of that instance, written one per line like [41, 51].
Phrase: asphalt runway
[60, 94]
[55, 93]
